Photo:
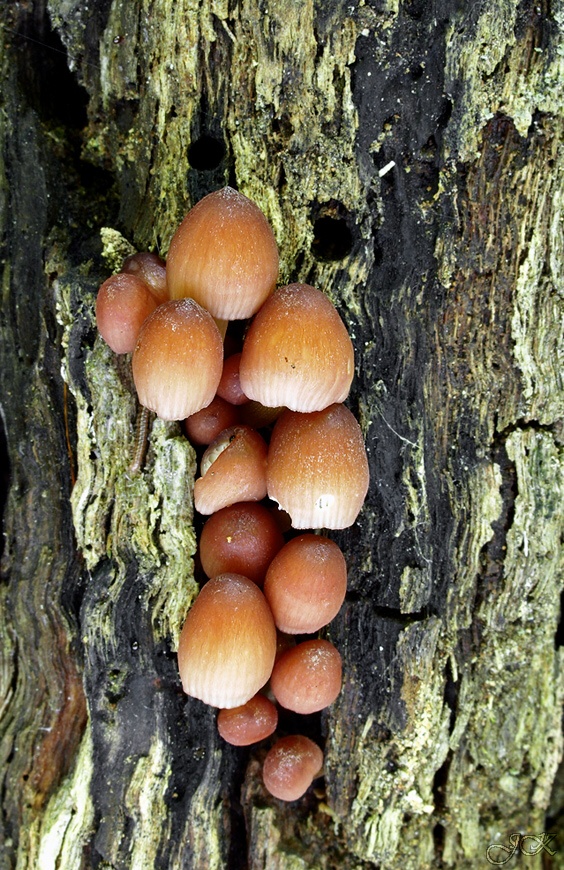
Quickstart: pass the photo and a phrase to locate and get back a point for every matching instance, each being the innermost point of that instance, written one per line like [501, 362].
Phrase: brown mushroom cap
[123, 304]
[178, 360]
[306, 583]
[228, 643]
[241, 538]
[308, 677]
[230, 384]
[224, 255]
[233, 469]
[248, 723]
[297, 352]
[204, 426]
[317, 468]
[291, 766]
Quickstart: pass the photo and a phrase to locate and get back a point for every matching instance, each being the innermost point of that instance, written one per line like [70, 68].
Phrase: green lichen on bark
[58, 837]
[142, 517]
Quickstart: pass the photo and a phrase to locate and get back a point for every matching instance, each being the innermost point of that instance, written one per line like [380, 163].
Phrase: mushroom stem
[141, 440]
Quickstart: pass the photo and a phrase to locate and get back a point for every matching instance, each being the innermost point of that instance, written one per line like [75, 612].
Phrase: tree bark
[410, 159]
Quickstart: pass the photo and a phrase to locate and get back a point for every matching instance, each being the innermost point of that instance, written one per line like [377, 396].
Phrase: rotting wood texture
[410, 159]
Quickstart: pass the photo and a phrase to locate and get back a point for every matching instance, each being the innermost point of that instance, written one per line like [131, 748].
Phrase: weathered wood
[410, 160]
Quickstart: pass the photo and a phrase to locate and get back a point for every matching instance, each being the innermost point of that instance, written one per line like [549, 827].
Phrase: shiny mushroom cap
[297, 352]
[223, 255]
[178, 360]
[317, 468]
[228, 643]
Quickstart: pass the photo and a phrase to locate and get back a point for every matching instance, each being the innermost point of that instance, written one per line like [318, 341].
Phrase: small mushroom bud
[307, 678]
[249, 723]
[291, 766]
[230, 384]
[297, 352]
[178, 360]
[233, 469]
[241, 538]
[150, 269]
[317, 468]
[224, 256]
[123, 304]
[204, 426]
[305, 584]
[228, 643]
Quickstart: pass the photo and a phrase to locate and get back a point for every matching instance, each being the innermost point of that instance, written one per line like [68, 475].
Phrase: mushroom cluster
[282, 457]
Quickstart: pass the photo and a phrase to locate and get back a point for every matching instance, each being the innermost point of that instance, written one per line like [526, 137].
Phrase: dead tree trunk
[410, 159]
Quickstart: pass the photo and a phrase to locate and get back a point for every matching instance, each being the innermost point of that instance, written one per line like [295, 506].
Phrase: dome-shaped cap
[228, 643]
[306, 583]
[291, 766]
[297, 352]
[317, 468]
[178, 360]
[223, 255]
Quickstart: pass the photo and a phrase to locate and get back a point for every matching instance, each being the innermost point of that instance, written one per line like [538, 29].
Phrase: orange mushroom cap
[241, 538]
[306, 583]
[204, 426]
[178, 360]
[228, 643]
[317, 468]
[223, 255]
[123, 304]
[297, 352]
[233, 469]
[307, 677]
[248, 723]
[291, 766]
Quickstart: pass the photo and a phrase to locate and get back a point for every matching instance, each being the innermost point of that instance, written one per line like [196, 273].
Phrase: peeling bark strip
[410, 159]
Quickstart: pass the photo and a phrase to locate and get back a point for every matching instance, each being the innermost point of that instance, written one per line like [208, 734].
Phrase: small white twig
[229, 32]
[385, 169]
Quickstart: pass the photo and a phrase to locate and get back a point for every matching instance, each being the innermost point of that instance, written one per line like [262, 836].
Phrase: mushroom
[178, 360]
[223, 255]
[123, 304]
[317, 468]
[233, 469]
[297, 352]
[307, 677]
[241, 538]
[228, 643]
[248, 723]
[230, 384]
[204, 426]
[291, 766]
[306, 583]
